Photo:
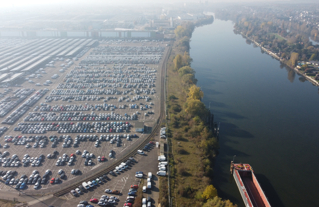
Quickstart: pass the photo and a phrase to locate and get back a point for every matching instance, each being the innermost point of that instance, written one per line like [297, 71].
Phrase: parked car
[134, 186]
[108, 191]
[94, 200]
[116, 192]
[73, 193]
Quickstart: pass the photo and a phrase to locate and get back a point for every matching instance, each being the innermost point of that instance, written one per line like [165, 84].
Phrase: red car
[52, 180]
[128, 204]
[72, 155]
[134, 186]
[94, 200]
[103, 159]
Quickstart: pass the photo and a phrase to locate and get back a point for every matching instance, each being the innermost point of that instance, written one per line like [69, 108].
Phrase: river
[268, 116]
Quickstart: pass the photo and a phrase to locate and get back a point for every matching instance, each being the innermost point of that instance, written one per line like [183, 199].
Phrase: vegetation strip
[193, 146]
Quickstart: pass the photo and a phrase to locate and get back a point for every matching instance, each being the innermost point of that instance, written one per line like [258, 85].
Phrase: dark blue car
[132, 194]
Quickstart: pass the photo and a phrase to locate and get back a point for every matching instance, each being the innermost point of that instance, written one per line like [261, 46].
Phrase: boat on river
[248, 186]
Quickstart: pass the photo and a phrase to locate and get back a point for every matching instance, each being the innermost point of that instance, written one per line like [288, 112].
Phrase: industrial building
[139, 127]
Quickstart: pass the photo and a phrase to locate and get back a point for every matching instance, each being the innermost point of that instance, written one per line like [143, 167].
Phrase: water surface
[268, 114]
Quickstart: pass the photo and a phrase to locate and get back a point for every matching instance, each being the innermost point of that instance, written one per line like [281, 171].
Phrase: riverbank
[269, 52]
[192, 145]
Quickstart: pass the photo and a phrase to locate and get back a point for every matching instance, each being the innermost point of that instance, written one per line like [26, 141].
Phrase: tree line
[189, 131]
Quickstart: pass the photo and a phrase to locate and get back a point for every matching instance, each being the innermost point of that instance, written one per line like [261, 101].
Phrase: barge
[248, 185]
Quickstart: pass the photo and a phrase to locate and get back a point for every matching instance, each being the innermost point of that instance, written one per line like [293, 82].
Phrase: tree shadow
[232, 130]
[182, 139]
[231, 115]
[211, 91]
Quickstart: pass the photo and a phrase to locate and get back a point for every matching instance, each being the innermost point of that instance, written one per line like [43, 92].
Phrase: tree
[210, 192]
[313, 57]
[195, 108]
[186, 59]
[189, 79]
[177, 62]
[183, 43]
[304, 66]
[293, 59]
[180, 31]
[195, 93]
[185, 70]
[218, 202]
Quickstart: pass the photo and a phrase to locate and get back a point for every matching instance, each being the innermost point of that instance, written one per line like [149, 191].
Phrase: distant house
[314, 62]
[139, 127]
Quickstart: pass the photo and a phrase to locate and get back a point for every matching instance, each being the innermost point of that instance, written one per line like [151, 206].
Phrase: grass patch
[278, 36]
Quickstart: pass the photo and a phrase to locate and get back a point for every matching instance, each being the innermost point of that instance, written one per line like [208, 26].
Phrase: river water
[268, 116]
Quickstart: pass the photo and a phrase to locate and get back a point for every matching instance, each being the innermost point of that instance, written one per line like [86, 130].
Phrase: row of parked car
[77, 116]
[9, 103]
[70, 127]
[24, 107]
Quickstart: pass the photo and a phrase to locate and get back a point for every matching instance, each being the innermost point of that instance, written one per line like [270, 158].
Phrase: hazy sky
[23, 3]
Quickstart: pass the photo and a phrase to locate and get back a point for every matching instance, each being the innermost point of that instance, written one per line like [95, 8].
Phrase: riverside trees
[193, 145]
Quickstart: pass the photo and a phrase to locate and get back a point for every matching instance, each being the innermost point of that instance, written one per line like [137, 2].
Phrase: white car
[78, 190]
[140, 152]
[108, 191]
[144, 201]
[139, 175]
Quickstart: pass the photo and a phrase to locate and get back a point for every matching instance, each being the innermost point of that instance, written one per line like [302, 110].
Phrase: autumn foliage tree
[180, 31]
[177, 62]
[210, 192]
[293, 59]
[195, 93]
[189, 79]
[218, 202]
[185, 70]
[186, 59]
[195, 108]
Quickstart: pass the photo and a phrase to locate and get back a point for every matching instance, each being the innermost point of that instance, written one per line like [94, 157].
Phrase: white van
[163, 163]
[149, 185]
[149, 175]
[161, 173]
[162, 168]
[144, 189]
[85, 185]
[161, 158]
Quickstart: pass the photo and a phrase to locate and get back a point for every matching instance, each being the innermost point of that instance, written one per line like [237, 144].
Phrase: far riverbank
[272, 54]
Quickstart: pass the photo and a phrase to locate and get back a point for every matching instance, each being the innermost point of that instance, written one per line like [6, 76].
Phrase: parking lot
[120, 182]
[87, 101]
